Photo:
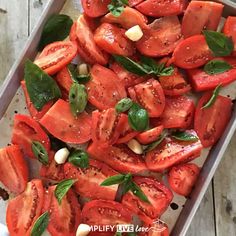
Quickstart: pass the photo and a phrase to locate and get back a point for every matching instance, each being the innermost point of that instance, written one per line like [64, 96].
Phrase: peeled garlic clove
[135, 146]
[61, 156]
[134, 33]
[83, 69]
[83, 230]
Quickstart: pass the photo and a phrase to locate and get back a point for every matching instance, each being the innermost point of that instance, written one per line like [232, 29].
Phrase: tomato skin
[133, 3]
[72, 35]
[183, 177]
[95, 8]
[112, 39]
[211, 122]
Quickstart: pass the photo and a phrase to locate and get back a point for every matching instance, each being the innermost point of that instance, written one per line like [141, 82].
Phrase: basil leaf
[79, 158]
[153, 145]
[56, 28]
[150, 65]
[131, 234]
[40, 225]
[167, 71]
[185, 136]
[83, 78]
[219, 44]
[115, 179]
[118, 234]
[78, 98]
[62, 188]
[116, 7]
[216, 67]
[72, 69]
[213, 97]
[40, 152]
[137, 191]
[124, 105]
[41, 87]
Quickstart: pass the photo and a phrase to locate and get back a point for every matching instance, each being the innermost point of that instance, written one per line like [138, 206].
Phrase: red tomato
[112, 39]
[171, 152]
[158, 228]
[182, 178]
[211, 122]
[133, 3]
[230, 29]
[65, 126]
[25, 209]
[178, 113]
[95, 8]
[25, 131]
[191, 53]
[64, 217]
[162, 37]
[149, 95]
[56, 55]
[150, 135]
[13, 169]
[89, 180]
[201, 15]
[104, 89]
[157, 193]
[72, 35]
[119, 157]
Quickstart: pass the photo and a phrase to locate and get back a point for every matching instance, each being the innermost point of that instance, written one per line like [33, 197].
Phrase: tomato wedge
[13, 169]
[230, 29]
[211, 122]
[72, 35]
[65, 126]
[25, 131]
[171, 152]
[95, 8]
[24, 210]
[133, 3]
[89, 180]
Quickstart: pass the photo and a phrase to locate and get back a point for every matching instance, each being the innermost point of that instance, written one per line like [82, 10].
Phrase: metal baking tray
[10, 95]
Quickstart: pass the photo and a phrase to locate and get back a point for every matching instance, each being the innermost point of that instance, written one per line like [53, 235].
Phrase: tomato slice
[230, 29]
[191, 53]
[171, 152]
[89, 180]
[95, 8]
[65, 217]
[178, 113]
[211, 122]
[65, 126]
[202, 15]
[182, 178]
[133, 3]
[112, 39]
[119, 157]
[72, 35]
[56, 55]
[24, 210]
[104, 89]
[162, 37]
[13, 169]
[25, 131]
[149, 95]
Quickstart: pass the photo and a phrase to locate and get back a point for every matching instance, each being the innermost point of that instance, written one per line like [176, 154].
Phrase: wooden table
[217, 213]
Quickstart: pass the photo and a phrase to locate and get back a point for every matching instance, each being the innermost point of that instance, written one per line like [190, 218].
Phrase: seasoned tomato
[25, 131]
[171, 152]
[162, 37]
[133, 3]
[149, 95]
[104, 89]
[89, 180]
[157, 228]
[60, 122]
[230, 29]
[72, 35]
[56, 55]
[95, 8]
[24, 210]
[112, 39]
[211, 122]
[182, 178]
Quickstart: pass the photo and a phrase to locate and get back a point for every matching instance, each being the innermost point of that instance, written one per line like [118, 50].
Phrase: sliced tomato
[178, 113]
[56, 55]
[65, 217]
[211, 122]
[149, 95]
[25, 209]
[162, 37]
[156, 228]
[89, 180]
[72, 35]
[171, 152]
[192, 52]
[112, 39]
[182, 178]
[95, 8]
[65, 126]
[133, 3]
[201, 15]
[230, 29]
[119, 157]
[104, 89]
[13, 169]
[25, 131]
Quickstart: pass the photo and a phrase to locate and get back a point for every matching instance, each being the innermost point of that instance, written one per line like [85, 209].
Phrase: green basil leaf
[150, 65]
[40, 152]
[40, 225]
[115, 10]
[78, 98]
[167, 71]
[153, 145]
[115, 179]
[137, 191]
[56, 28]
[41, 87]
[83, 78]
[118, 234]
[72, 69]
[131, 234]
[79, 158]
[219, 44]
[185, 136]
[62, 188]
[124, 105]
[216, 67]
[213, 97]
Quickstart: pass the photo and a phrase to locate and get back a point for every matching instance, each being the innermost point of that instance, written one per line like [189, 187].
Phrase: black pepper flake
[174, 206]
[4, 194]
